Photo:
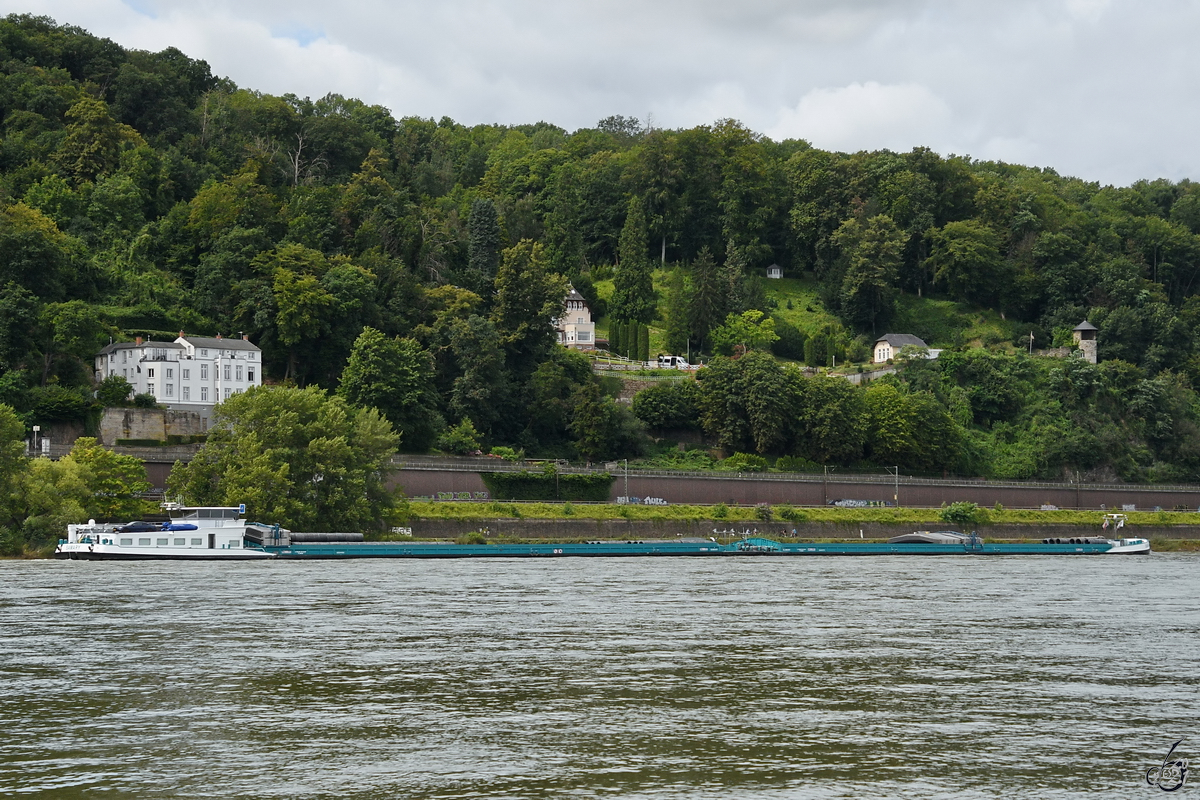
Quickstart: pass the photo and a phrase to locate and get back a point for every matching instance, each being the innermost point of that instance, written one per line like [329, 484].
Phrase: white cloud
[1104, 89]
[866, 116]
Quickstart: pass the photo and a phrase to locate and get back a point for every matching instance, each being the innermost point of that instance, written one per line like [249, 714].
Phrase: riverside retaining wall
[624, 529]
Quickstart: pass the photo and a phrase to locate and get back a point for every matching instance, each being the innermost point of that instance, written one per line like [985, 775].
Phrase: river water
[755, 678]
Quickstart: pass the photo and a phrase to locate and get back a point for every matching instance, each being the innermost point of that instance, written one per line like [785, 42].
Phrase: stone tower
[1085, 339]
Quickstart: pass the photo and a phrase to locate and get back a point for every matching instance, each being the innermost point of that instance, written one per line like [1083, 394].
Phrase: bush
[791, 340]
[796, 464]
[474, 537]
[461, 440]
[672, 404]
[762, 512]
[690, 460]
[56, 403]
[508, 454]
[743, 462]
[526, 485]
[720, 511]
[144, 401]
[792, 514]
[963, 513]
[113, 391]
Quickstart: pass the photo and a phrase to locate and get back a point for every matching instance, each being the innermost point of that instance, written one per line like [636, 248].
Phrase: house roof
[901, 340]
[1085, 326]
[113, 347]
[574, 295]
[220, 344]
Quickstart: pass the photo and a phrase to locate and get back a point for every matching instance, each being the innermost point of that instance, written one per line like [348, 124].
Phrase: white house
[775, 272]
[575, 327]
[192, 373]
[890, 344]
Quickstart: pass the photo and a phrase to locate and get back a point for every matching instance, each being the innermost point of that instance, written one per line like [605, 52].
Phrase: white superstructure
[194, 532]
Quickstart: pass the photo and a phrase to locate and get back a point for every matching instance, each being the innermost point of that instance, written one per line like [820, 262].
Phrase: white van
[673, 362]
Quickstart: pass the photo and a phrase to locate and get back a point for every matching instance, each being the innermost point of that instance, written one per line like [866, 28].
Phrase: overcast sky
[1106, 90]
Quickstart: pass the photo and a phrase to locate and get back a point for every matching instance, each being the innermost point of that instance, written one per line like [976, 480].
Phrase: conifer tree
[707, 306]
[483, 248]
[633, 290]
[677, 313]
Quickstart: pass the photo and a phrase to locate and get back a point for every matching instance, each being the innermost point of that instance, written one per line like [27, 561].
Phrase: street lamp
[627, 480]
[895, 471]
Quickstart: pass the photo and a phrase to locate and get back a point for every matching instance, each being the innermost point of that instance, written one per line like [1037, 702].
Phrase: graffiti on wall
[453, 496]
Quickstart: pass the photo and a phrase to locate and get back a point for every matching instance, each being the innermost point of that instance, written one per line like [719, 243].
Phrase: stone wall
[147, 423]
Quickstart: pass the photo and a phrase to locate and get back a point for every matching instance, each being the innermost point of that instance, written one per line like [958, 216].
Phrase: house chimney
[181, 334]
[218, 336]
[245, 337]
[137, 340]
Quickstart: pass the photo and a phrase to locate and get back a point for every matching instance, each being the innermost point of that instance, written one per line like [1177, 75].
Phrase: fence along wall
[425, 479]
[813, 491]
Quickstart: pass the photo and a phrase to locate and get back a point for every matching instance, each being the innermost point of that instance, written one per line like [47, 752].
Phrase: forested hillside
[414, 265]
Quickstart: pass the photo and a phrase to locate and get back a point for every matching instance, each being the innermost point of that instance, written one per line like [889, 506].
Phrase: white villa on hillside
[192, 373]
[890, 344]
[575, 327]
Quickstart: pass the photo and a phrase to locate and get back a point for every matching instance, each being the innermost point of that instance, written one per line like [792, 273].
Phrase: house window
[170, 372]
[124, 373]
[226, 392]
[204, 353]
[170, 390]
[227, 372]
[150, 388]
[239, 372]
[585, 336]
[187, 374]
[150, 372]
[204, 372]
[203, 394]
[112, 357]
[250, 374]
[251, 356]
[187, 393]
[124, 356]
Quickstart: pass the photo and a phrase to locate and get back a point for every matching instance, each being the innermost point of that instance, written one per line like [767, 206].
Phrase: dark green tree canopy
[142, 195]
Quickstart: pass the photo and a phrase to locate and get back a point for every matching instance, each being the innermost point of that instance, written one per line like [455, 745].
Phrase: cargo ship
[222, 533]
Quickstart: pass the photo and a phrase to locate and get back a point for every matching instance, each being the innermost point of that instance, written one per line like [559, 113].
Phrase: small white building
[192, 373]
[890, 344]
[775, 272]
[575, 327]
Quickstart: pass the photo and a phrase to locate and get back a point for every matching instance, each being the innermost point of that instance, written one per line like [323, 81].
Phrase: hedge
[526, 485]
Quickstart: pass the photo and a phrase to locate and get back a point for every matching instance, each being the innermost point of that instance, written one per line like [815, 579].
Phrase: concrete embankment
[624, 529]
